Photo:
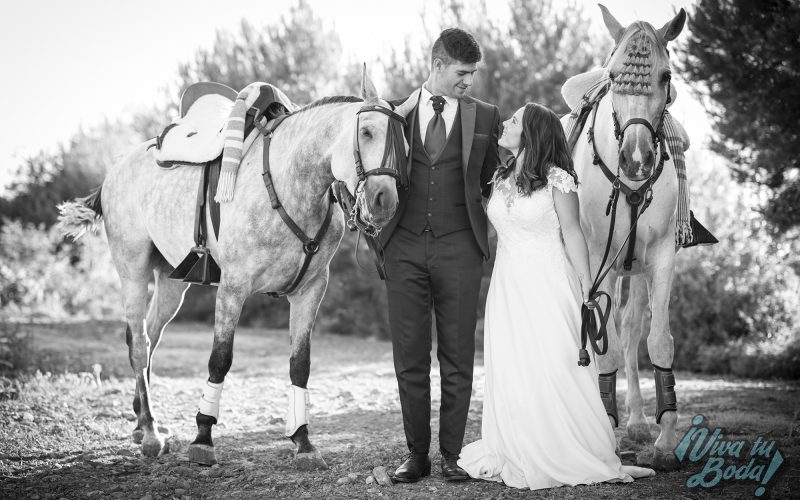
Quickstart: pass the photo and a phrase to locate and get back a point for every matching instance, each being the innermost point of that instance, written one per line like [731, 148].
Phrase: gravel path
[66, 436]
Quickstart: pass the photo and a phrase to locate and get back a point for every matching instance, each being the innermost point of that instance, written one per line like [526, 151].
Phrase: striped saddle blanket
[198, 135]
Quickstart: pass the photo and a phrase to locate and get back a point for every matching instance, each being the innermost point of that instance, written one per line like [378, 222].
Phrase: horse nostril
[622, 160]
[649, 159]
[378, 199]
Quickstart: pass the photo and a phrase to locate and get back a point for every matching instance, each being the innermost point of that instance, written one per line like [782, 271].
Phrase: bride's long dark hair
[544, 144]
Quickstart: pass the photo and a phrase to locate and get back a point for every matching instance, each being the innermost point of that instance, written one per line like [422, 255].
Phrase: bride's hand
[586, 302]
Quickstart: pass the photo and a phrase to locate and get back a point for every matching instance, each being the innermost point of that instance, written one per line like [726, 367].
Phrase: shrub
[16, 354]
[734, 306]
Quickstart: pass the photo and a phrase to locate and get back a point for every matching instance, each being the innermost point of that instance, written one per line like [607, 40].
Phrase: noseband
[655, 134]
[393, 150]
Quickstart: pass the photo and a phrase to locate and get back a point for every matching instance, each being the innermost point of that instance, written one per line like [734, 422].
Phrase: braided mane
[634, 76]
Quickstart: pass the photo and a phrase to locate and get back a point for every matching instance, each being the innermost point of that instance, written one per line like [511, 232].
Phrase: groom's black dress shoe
[450, 469]
[416, 465]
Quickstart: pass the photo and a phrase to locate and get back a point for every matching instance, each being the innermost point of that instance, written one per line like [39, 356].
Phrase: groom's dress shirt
[426, 112]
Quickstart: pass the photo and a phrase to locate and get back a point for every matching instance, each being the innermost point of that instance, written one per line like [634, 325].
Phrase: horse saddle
[196, 136]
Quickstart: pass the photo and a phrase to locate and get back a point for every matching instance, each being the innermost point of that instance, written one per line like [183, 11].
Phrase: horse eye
[611, 76]
[666, 77]
[366, 133]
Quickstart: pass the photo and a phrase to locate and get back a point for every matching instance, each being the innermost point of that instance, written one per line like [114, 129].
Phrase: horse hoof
[202, 454]
[154, 447]
[665, 461]
[137, 436]
[639, 433]
[310, 461]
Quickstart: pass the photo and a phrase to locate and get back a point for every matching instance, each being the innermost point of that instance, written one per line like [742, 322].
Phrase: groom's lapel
[410, 128]
[467, 130]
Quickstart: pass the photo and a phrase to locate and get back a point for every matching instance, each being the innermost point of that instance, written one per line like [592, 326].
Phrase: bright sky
[68, 64]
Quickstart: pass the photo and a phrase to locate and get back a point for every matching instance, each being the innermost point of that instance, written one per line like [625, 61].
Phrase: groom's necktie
[436, 135]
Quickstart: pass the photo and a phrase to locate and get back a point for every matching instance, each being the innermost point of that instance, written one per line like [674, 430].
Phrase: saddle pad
[196, 137]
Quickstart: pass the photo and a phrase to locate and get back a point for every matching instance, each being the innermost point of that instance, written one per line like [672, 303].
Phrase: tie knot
[438, 103]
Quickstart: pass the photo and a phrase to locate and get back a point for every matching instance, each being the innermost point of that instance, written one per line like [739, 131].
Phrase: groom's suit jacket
[479, 124]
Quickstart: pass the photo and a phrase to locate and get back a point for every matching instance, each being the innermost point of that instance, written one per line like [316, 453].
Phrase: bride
[544, 424]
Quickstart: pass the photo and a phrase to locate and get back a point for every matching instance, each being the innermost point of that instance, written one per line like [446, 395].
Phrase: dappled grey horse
[621, 150]
[149, 216]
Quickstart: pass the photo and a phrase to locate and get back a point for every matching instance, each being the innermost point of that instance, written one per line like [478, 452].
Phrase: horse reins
[338, 190]
[592, 330]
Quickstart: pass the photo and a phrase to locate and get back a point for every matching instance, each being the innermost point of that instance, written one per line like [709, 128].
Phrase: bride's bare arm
[567, 209]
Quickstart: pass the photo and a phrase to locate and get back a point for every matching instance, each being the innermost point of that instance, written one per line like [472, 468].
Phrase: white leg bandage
[209, 401]
[297, 413]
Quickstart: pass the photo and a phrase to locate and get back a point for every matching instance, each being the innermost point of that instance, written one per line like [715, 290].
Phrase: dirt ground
[66, 436]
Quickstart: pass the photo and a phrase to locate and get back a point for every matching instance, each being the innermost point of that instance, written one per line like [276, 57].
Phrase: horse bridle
[394, 148]
[592, 330]
[655, 134]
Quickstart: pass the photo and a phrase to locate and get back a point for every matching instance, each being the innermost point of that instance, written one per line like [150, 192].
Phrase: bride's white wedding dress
[544, 424]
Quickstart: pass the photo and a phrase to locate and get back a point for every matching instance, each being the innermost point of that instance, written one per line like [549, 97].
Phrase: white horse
[149, 216]
[621, 133]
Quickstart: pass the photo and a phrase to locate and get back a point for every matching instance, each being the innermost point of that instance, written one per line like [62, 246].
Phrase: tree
[527, 60]
[298, 55]
[47, 179]
[745, 54]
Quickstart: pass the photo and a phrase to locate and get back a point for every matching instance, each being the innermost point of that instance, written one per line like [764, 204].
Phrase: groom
[435, 247]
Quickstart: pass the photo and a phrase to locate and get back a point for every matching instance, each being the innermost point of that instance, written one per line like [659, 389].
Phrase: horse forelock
[640, 52]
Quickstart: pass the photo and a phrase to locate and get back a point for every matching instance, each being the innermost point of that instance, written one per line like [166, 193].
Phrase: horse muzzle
[637, 158]
[379, 200]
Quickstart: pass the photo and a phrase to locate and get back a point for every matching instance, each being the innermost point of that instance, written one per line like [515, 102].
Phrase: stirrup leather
[608, 394]
[666, 399]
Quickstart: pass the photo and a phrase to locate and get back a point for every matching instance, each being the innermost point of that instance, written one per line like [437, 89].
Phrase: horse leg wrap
[666, 400]
[608, 394]
[297, 413]
[209, 401]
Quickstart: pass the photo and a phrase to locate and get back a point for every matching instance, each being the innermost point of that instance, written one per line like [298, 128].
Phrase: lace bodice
[528, 224]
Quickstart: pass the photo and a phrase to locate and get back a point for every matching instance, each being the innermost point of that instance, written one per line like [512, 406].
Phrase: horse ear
[614, 27]
[672, 29]
[407, 106]
[368, 90]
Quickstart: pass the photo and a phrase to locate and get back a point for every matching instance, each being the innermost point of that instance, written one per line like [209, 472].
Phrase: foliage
[745, 54]
[41, 276]
[45, 180]
[299, 55]
[16, 355]
[527, 60]
[735, 306]
[355, 302]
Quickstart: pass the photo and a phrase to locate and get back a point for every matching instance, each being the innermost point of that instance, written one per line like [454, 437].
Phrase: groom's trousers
[443, 273]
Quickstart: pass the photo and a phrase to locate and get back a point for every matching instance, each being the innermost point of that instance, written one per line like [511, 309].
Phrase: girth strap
[205, 193]
[310, 245]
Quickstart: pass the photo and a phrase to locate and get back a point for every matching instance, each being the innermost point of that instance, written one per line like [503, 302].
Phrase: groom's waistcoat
[436, 196]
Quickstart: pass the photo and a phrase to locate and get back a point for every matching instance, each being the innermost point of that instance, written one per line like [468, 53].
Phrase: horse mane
[330, 100]
[634, 76]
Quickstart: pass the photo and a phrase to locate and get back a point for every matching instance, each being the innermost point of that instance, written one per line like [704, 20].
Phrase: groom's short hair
[455, 44]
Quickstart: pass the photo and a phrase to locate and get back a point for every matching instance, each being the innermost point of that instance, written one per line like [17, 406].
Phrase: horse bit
[393, 146]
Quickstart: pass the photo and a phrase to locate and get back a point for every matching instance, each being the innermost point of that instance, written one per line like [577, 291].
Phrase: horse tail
[81, 215]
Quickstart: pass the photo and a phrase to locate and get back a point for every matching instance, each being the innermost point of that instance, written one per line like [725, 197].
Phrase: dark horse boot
[666, 400]
[608, 393]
